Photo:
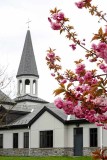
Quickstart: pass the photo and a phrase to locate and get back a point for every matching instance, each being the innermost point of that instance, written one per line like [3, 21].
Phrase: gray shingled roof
[27, 64]
[31, 117]
[28, 97]
[27, 120]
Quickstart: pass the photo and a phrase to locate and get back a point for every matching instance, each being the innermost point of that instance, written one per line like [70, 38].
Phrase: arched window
[34, 86]
[20, 86]
[27, 86]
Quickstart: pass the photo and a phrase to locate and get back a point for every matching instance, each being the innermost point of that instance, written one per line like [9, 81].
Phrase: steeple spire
[27, 75]
[27, 65]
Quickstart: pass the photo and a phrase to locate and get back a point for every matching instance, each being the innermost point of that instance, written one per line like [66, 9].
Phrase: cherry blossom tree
[83, 92]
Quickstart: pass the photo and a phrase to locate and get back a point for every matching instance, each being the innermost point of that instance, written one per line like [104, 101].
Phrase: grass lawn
[45, 158]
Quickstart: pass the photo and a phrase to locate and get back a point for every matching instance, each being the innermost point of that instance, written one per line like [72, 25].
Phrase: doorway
[78, 141]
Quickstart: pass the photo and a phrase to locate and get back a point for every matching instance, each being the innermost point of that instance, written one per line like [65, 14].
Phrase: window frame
[26, 140]
[46, 139]
[15, 140]
[93, 137]
[1, 140]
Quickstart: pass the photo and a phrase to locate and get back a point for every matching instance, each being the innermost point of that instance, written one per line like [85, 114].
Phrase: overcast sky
[13, 17]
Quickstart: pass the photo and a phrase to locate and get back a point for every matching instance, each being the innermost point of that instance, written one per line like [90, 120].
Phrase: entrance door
[78, 141]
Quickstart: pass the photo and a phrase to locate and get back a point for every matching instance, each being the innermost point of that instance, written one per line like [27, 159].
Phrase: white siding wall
[104, 138]
[48, 122]
[86, 136]
[70, 136]
[63, 136]
[8, 138]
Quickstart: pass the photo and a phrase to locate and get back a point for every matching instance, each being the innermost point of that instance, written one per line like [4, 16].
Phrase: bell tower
[27, 75]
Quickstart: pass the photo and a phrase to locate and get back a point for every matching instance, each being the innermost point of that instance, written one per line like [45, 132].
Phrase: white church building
[31, 126]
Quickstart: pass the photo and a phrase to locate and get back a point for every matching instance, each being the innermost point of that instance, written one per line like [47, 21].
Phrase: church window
[46, 139]
[26, 139]
[1, 140]
[27, 86]
[20, 86]
[15, 140]
[93, 137]
[34, 86]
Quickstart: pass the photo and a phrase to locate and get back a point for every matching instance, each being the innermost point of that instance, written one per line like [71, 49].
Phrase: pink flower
[58, 16]
[55, 16]
[94, 46]
[101, 46]
[78, 112]
[102, 66]
[88, 75]
[85, 88]
[94, 81]
[54, 25]
[101, 50]
[52, 74]
[98, 124]
[77, 95]
[90, 118]
[80, 79]
[80, 68]
[78, 88]
[73, 46]
[68, 107]
[59, 103]
[51, 55]
[80, 4]
[105, 70]
[98, 100]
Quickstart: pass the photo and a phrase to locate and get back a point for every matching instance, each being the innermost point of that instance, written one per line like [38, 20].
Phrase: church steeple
[27, 74]
[27, 65]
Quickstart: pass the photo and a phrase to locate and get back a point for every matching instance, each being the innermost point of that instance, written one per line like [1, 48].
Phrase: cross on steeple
[28, 23]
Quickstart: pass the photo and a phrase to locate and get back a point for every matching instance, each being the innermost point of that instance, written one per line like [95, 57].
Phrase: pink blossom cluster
[101, 102]
[82, 112]
[84, 99]
[51, 57]
[80, 68]
[56, 20]
[73, 46]
[100, 50]
[84, 76]
[81, 3]
[103, 67]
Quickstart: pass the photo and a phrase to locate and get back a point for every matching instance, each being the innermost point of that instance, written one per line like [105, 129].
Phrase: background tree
[5, 82]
